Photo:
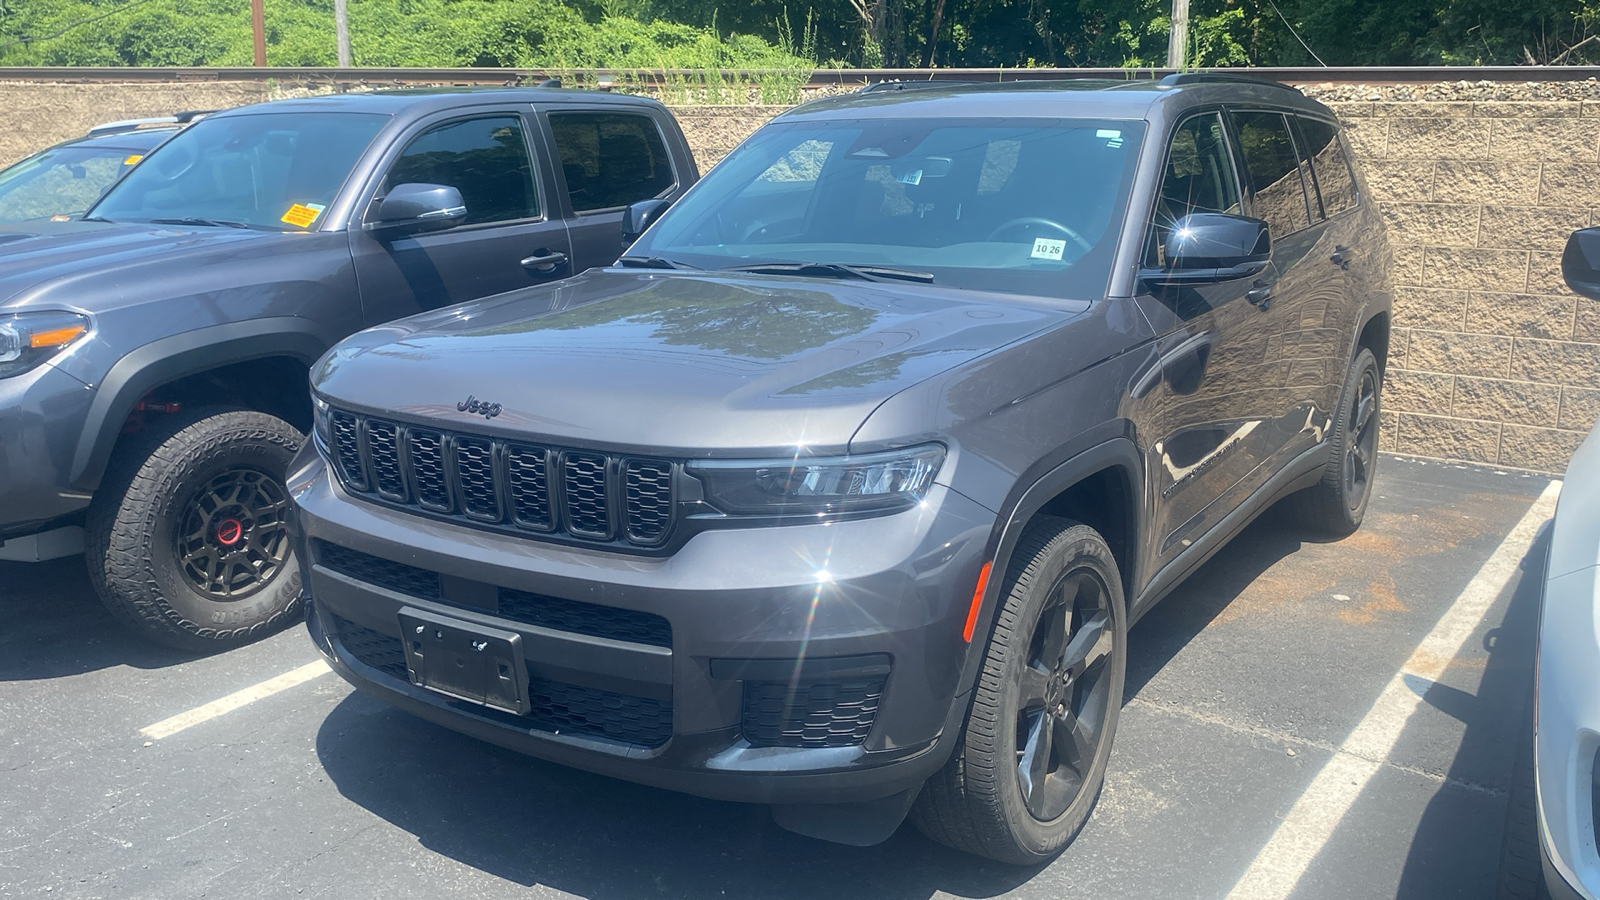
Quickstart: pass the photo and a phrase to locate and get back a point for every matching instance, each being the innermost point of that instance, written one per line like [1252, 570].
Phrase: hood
[41, 253]
[676, 363]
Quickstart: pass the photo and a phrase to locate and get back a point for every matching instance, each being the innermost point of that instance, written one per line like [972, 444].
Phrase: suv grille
[556, 707]
[505, 485]
[810, 714]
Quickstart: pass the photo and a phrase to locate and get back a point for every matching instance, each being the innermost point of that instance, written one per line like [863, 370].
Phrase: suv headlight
[873, 482]
[320, 426]
[28, 339]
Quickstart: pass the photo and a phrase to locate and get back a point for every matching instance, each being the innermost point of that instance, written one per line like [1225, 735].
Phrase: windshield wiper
[196, 220]
[96, 219]
[837, 270]
[652, 262]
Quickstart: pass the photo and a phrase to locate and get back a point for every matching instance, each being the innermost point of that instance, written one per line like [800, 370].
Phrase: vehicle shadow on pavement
[536, 823]
[52, 625]
[1451, 853]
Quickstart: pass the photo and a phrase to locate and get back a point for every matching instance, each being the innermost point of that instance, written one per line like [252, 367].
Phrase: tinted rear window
[611, 159]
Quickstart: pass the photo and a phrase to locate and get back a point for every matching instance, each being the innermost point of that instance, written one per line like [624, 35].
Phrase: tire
[1521, 869]
[187, 538]
[1336, 505]
[981, 802]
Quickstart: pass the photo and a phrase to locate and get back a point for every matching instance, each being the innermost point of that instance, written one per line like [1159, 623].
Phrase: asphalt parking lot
[1254, 696]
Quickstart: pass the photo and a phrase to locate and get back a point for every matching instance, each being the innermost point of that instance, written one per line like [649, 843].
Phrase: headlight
[875, 482]
[319, 421]
[28, 339]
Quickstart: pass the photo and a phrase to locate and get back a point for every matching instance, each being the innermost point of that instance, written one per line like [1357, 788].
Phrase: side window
[1199, 177]
[1335, 184]
[1278, 193]
[611, 159]
[485, 159]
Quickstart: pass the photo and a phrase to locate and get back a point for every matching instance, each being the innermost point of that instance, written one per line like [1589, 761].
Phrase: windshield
[1019, 205]
[275, 171]
[61, 181]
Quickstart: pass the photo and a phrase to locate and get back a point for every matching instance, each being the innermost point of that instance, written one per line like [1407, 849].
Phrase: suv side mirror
[1580, 262]
[639, 217]
[1217, 241]
[419, 207]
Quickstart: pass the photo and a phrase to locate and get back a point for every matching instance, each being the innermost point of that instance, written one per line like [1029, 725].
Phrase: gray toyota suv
[840, 492]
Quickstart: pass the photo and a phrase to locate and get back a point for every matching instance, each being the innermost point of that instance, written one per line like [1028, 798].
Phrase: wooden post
[341, 27]
[258, 24]
[1178, 38]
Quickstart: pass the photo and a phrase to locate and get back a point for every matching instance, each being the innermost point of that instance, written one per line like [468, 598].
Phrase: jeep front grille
[505, 485]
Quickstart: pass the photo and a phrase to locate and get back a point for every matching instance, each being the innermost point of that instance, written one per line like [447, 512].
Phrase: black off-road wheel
[1336, 505]
[1033, 754]
[188, 540]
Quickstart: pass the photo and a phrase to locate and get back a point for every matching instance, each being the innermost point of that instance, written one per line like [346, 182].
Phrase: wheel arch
[1100, 487]
[171, 360]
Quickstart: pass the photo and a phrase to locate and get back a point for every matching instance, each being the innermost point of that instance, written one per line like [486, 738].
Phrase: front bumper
[759, 623]
[1567, 733]
[42, 413]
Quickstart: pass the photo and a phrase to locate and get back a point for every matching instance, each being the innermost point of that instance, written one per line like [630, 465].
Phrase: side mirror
[419, 207]
[1580, 263]
[639, 217]
[1217, 241]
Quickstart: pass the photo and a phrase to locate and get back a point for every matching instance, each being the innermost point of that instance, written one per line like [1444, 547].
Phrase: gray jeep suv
[841, 491]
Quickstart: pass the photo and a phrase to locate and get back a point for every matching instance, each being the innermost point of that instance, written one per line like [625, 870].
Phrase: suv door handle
[544, 260]
[1260, 295]
[1341, 256]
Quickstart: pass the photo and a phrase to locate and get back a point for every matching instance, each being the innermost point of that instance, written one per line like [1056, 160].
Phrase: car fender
[1118, 452]
[159, 362]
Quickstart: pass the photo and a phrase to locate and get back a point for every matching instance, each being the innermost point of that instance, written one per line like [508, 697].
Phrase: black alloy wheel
[1361, 446]
[1037, 738]
[233, 538]
[1064, 692]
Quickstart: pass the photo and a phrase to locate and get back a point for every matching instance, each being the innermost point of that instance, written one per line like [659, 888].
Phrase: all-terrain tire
[975, 803]
[1335, 505]
[160, 482]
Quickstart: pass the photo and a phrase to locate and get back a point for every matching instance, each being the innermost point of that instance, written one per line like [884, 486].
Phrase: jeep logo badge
[474, 405]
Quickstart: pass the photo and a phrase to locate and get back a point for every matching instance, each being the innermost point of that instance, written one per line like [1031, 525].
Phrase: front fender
[159, 362]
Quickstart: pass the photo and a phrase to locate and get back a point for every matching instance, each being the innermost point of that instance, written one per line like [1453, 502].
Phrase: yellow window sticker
[301, 215]
[60, 218]
[133, 159]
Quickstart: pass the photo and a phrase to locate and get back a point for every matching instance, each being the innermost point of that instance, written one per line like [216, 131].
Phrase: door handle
[1341, 256]
[544, 260]
[1260, 295]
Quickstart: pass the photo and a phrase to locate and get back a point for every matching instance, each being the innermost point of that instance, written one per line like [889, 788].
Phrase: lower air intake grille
[810, 714]
[380, 651]
[556, 707]
[585, 618]
[397, 577]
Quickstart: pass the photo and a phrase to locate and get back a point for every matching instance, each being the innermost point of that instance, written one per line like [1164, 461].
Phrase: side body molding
[191, 352]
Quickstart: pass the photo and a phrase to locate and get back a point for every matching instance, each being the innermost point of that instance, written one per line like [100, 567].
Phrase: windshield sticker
[913, 177]
[1047, 248]
[1112, 137]
[301, 215]
[60, 218]
[133, 159]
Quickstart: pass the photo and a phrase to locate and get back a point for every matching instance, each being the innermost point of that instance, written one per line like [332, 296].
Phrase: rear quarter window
[1330, 165]
[611, 159]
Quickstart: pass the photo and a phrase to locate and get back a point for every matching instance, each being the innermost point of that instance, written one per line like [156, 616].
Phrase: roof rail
[1179, 79]
[125, 125]
[878, 87]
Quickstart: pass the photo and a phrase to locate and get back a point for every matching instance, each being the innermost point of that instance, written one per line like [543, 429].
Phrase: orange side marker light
[977, 602]
[56, 338]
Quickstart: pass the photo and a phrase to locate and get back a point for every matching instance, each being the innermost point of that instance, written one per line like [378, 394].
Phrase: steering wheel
[1038, 221]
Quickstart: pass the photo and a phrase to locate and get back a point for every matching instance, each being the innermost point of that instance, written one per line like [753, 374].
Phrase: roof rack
[878, 87]
[126, 125]
[1179, 79]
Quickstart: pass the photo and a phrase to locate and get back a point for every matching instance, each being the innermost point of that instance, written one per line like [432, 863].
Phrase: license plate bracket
[466, 661]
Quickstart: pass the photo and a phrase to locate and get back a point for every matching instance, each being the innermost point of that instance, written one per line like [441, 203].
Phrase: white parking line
[169, 727]
[1312, 821]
